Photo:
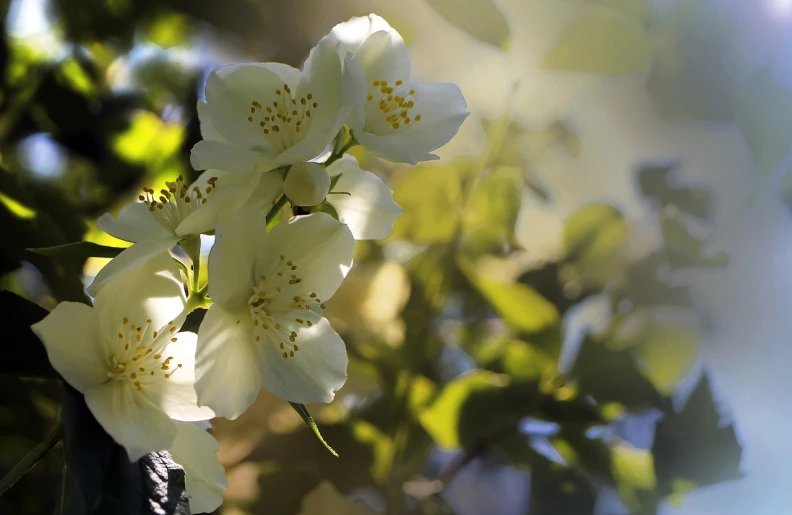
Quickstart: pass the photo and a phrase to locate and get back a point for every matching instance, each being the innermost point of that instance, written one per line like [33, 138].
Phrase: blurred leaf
[495, 203]
[656, 183]
[643, 285]
[481, 19]
[73, 73]
[602, 41]
[595, 237]
[168, 30]
[23, 352]
[431, 198]
[83, 249]
[524, 362]
[556, 489]
[633, 469]
[17, 208]
[441, 419]
[691, 79]
[326, 500]
[764, 114]
[149, 140]
[638, 9]
[666, 354]
[520, 306]
[613, 376]
[693, 445]
[101, 479]
[684, 249]
[382, 447]
[303, 412]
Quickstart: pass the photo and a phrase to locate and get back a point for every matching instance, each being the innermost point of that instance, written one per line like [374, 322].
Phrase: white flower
[126, 356]
[368, 209]
[196, 451]
[161, 219]
[265, 327]
[397, 119]
[259, 116]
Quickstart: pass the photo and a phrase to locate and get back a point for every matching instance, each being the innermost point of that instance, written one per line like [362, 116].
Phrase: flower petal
[226, 368]
[134, 223]
[129, 259]
[323, 79]
[320, 246]
[384, 56]
[314, 374]
[151, 291]
[207, 127]
[70, 335]
[369, 209]
[208, 154]
[196, 451]
[351, 34]
[131, 418]
[442, 109]
[239, 236]
[176, 395]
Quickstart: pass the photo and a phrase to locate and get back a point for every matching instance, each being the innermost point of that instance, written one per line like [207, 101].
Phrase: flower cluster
[272, 135]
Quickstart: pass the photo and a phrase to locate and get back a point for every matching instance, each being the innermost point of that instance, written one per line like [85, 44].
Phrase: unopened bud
[306, 184]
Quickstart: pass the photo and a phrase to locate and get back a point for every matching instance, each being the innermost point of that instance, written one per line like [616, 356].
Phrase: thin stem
[276, 208]
[337, 154]
[29, 461]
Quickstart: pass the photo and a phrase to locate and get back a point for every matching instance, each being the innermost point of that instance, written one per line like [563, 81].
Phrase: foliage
[459, 354]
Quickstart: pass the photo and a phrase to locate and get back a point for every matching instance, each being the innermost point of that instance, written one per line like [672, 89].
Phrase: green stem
[29, 461]
[337, 154]
[276, 208]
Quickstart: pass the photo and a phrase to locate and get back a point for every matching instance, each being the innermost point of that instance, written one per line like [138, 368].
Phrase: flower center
[285, 121]
[279, 305]
[388, 107]
[176, 202]
[138, 354]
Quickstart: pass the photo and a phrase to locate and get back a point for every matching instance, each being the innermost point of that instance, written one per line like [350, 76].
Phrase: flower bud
[306, 184]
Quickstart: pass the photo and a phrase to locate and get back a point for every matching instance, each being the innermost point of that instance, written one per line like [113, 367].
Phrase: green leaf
[520, 306]
[303, 412]
[602, 41]
[442, 418]
[764, 115]
[595, 238]
[492, 211]
[633, 470]
[482, 19]
[693, 448]
[23, 352]
[657, 183]
[99, 478]
[431, 197]
[83, 249]
[684, 249]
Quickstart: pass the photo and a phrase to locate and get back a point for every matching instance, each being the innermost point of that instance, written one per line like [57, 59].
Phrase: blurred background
[584, 308]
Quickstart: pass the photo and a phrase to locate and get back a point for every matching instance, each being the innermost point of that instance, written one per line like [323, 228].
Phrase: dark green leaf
[83, 249]
[684, 249]
[100, 479]
[656, 183]
[303, 412]
[23, 352]
[694, 446]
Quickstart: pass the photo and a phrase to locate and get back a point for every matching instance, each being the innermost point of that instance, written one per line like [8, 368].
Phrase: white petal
[369, 210]
[323, 79]
[239, 236]
[442, 109]
[70, 335]
[131, 418]
[321, 248]
[152, 291]
[229, 93]
[226, 368]
[207, 128]
[196, 451]
[315, 372]
[250, 80]
[208, 154]
[176, 395]
[306, 184]
[388, 149]
[129, 259]
[351, 34]
[134, 223]
[384, 56]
